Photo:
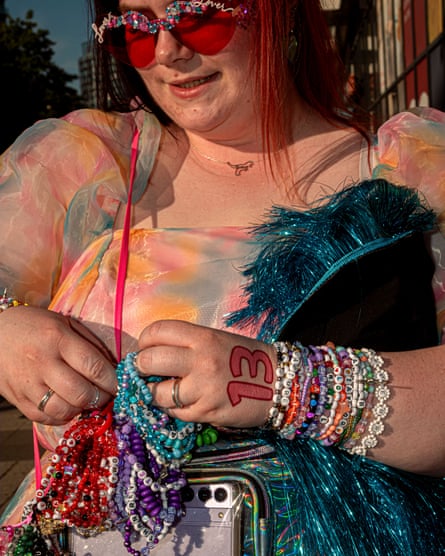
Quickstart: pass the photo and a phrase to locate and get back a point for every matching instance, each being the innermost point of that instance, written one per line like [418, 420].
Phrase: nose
[169, 49]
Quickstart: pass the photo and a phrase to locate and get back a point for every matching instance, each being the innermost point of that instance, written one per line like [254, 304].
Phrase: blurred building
[394, 50]
[87, 76]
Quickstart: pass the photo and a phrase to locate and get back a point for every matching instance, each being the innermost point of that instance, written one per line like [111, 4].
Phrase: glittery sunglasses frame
[201, 25]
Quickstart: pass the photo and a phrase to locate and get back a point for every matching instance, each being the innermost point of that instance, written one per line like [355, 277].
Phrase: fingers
[171, 395]
[45, 399]
[168, 352]
[165, 393]
[169, 347]
[83, 377]
[218, 377]
[55, 366]
[165, 361]
[83, 352]
[171, 332]
[54, 407]
[175, 394]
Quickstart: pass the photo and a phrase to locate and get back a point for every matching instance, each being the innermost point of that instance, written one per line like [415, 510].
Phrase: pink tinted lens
[204, 33]
[140, 47]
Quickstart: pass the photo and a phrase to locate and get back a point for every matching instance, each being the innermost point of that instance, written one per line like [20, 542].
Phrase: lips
[194, 83]
[191, 84]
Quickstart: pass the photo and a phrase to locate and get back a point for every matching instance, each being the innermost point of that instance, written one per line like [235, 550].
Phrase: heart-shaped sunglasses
[203, 26]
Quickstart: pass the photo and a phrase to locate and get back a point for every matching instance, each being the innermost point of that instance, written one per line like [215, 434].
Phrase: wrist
[334, 395]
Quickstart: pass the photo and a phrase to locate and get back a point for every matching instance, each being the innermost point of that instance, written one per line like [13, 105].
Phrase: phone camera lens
[221, 494]
[204, 494]
[187, 494]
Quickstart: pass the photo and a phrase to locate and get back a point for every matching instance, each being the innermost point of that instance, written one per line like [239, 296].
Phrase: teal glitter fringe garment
[299, 251]
[327, 502]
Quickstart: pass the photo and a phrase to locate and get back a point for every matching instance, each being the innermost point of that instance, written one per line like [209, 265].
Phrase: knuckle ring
[175, 394]
[95, 403]
[45, 399]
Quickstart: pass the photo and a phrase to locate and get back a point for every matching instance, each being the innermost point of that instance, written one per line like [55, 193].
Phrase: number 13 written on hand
[237, 389]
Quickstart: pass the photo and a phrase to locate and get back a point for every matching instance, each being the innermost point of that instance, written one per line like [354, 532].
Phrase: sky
[67, 23]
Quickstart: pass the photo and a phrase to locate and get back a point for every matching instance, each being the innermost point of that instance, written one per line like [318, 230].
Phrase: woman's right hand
[48, 356]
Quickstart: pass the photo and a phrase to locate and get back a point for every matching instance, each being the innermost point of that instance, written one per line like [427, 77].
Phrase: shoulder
[410, 150]
[84, 128]
[116, 127]
[80, 148]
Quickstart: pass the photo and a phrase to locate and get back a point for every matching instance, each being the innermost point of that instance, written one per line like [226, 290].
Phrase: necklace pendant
[242, 167]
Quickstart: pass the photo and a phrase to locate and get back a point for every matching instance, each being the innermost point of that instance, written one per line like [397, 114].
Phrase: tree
[33, 86]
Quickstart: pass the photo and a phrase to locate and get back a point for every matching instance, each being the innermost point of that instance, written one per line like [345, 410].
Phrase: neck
[234, 160]
[233, 157]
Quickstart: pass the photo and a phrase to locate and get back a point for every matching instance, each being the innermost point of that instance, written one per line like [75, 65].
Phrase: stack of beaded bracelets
[8, 302]
[329, 393]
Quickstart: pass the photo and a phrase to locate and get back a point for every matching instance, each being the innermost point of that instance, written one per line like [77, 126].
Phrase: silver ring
[95, 402]
[45, 399]
[175, 394]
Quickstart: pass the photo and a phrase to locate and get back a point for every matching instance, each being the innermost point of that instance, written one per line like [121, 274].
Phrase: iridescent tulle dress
[309, 277]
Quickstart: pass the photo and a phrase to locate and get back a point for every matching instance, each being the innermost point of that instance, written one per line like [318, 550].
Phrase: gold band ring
[175, 394]
[45, 399]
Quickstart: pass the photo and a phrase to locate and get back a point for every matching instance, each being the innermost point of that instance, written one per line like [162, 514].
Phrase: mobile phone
[211, 525]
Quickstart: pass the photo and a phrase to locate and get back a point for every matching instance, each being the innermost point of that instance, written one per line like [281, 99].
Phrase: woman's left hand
[224, 379]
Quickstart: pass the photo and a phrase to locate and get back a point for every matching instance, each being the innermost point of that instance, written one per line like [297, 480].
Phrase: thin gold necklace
[238, 168]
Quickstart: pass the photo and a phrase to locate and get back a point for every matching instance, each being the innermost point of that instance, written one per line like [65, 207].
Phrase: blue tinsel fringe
[298, 251]
[336, 504]
[342, 505]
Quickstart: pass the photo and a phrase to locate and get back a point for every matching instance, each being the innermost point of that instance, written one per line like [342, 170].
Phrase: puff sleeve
[410, 151]
[61, 183]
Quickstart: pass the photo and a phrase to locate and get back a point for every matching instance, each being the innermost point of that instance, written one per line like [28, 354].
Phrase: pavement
[16, 450]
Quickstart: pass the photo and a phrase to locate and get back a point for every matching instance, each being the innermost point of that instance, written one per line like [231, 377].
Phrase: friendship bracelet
[115, 468]
[334, 395]
[288, 367]
[378, 411]
[7, 302]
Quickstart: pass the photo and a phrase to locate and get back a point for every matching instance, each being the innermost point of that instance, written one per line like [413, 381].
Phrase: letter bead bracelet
[332, 394]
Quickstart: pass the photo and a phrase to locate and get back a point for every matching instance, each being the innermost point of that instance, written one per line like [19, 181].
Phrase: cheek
[148, 77]
[242, 44]
[237, 57]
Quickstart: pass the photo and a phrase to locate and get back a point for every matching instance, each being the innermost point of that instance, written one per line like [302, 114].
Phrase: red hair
[317, 72]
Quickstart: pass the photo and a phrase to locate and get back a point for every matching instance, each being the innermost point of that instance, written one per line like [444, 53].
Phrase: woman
[225, 111]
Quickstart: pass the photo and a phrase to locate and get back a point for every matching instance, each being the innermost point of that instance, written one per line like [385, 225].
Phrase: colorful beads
[77, 488]
[26, 541]
[119, 467]
[337, 396]
[147, 499]
[140, 22]
[7, 302]
[168, 439]
[153, 447]
[207, 436]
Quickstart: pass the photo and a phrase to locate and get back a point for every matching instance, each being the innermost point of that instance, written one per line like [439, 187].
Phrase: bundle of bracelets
[115, 468]
[122, 467]
[334, 395]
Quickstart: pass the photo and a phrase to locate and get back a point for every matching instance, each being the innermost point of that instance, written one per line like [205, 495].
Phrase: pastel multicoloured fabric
[63, 183]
